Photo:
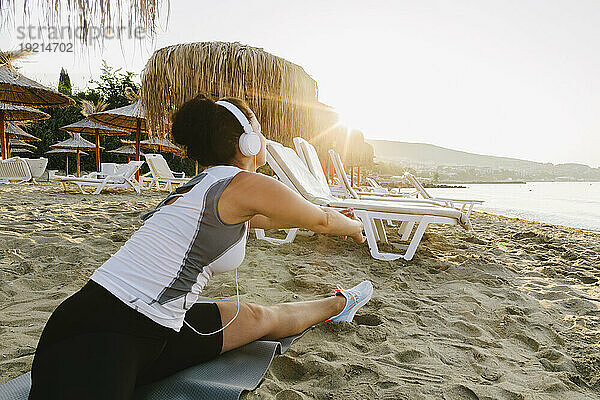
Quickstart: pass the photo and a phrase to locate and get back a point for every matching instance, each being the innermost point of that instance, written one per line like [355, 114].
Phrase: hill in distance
[428, 155]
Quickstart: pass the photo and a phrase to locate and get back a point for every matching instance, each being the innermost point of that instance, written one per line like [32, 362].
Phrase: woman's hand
[358, 237]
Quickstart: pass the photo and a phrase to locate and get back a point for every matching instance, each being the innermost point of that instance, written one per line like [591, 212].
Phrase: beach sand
[507, 311]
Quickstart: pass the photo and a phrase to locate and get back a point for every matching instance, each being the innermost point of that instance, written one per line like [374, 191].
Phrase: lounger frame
[124, 178]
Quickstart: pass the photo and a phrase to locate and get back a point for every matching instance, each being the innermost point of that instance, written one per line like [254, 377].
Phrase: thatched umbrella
[66, 152]
[18, 90]
[126, 150]
[87, 127]
[21, 151]
[13, 131]
[280, 93]
[101, 14]
[131, 118]
[19, 144]
[77, 143]
[162, 145]
[9, 112]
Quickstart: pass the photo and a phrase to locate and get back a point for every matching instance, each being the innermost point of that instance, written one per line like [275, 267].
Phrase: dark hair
[209, 131]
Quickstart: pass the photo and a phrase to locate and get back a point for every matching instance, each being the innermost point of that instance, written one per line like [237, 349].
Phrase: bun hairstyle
[209, 132]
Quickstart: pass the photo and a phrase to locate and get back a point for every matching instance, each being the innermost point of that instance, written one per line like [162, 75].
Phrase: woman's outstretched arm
[268, 203]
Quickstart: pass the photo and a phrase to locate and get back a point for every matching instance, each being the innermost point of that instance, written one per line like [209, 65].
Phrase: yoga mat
[225, 377]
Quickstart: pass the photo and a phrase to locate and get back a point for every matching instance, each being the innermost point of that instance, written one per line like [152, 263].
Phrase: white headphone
[249, 142]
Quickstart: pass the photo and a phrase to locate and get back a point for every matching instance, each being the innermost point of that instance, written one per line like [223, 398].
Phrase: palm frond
[8, 57]
[89, 107]
[131, 94]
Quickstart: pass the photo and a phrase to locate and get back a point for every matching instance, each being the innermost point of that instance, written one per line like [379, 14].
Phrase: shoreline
[541, 223]
[509, 309]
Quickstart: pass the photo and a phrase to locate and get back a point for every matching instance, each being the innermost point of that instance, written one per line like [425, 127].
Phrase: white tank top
[163, 267]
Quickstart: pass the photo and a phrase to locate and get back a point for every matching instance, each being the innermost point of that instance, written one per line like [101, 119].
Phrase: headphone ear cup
[249, 144]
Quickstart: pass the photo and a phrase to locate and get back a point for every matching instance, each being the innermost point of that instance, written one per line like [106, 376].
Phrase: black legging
[94, 346]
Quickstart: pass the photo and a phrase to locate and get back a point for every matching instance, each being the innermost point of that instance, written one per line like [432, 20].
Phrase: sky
[507, 78]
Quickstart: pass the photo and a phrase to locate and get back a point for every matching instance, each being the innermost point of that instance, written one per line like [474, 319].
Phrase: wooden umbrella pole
[358, 176]
[67, 167]
[78, 165]
[97, 150]
[351, 175]
[196, 167]
[138, 129]
[2, 138]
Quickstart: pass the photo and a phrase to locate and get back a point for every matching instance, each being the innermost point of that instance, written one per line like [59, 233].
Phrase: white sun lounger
[14, 170]
[294, 173]
[375, 187]
[308, 154]
[462, 205]
[37, 166]
[160, 176]
[124, 177]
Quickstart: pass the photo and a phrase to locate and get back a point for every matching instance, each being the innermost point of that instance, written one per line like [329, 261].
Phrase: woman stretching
[136, 320]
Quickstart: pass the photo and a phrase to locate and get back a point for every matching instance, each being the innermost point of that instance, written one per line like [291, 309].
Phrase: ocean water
[572, 204]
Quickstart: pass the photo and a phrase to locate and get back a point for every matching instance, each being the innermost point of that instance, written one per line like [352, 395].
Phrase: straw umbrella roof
[16, 132]
[75, 142]
[122, 117]
[66, 151]
[157, 144]
[19, 113]
[161, 145]
[102, 14]
[126, 150]
[87, 127]
[17, 89]
[14, 144]
[277, 90]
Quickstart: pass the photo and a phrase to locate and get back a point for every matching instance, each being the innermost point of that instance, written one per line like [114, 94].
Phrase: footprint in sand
[286, 368]
[460, 392]
[555, 361]
[368, 319]
[408, 356]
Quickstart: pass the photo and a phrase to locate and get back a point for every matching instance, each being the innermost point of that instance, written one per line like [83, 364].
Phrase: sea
[572, 204]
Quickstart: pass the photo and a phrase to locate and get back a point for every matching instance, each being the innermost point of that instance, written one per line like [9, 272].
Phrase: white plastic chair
[15, 170]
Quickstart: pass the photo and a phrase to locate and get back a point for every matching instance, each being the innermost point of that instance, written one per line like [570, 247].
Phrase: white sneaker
[356, 297]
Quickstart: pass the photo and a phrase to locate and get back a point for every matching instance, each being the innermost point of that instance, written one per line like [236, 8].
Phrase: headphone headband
[239, 115]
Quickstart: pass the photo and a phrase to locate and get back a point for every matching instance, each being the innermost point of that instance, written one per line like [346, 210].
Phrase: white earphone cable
[237, 292]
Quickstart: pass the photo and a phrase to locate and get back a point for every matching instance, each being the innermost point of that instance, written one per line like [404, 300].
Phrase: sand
[510, 310]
